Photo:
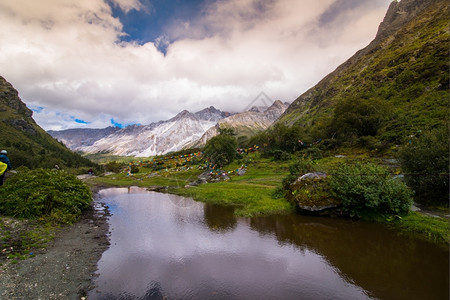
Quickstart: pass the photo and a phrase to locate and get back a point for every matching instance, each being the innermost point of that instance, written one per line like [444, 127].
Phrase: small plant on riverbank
[44, 194]
[368, 188]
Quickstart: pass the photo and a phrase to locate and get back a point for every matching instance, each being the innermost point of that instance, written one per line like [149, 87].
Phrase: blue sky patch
[153, 23]
[122, 125]
[81, 121]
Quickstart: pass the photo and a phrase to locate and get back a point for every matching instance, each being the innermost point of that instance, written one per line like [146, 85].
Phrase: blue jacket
[5, 159]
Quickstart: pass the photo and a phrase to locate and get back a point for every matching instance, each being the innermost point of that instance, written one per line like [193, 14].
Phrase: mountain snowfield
[182, 131]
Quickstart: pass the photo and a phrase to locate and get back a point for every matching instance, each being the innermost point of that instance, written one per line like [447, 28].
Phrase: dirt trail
[65, 269]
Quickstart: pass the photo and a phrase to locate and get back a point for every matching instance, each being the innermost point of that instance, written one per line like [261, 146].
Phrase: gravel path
[66, 269]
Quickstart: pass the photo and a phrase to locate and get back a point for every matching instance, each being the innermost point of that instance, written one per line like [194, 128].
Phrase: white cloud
[127, 5]
[65, 55]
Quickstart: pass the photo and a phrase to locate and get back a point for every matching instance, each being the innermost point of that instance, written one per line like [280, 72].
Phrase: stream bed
[170, 247]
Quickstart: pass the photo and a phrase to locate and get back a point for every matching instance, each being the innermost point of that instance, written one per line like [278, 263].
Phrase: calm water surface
[169, 247]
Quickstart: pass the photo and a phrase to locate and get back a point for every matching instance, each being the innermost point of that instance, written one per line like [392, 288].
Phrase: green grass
[431, 228]
[252, 194]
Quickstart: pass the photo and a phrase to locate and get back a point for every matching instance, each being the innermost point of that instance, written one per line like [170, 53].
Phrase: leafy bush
[368, 188]
[114, 167]
[51, 194]
[221, 150]
[311, 153]
[134, 170]
[281, 155]
[299, 167]
[359, 117]
[426, 164]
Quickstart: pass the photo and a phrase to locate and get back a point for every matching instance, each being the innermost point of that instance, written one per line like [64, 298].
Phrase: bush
[281, 155]
[359, 117]
[114, 167]
[51, 194]
[299, 167]
[368, 188]
[221, 150]
[426, 164]
[311, 153]
[134, 170]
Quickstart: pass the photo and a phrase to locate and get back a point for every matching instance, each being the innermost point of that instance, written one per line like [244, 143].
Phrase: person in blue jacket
[4, 158]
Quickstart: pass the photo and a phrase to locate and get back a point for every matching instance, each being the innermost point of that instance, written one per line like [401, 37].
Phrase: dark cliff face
[13, 111]
[10, 97]
[399, 13]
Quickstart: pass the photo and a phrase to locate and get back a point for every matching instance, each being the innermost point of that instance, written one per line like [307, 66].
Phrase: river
[169, 247]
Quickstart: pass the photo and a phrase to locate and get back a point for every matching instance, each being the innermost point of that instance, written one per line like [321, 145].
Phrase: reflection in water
[168, 246]
[219, 218]
[387, 265]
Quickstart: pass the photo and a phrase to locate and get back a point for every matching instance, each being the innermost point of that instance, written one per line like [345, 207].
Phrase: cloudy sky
[94, 63]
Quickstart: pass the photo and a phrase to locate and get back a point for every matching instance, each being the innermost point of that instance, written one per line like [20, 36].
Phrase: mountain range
[185, 130]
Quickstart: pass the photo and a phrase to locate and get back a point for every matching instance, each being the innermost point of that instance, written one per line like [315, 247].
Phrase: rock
[241, 171]
[311, 194]
[157, 188]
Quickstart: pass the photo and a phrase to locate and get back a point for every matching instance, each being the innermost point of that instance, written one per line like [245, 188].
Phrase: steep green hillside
[395, 87]
[27, 143]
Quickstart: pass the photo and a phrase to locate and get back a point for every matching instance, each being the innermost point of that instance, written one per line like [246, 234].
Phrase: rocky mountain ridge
[184, 130]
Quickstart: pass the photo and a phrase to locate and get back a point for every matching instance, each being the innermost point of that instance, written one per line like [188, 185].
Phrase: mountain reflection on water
[169, 246]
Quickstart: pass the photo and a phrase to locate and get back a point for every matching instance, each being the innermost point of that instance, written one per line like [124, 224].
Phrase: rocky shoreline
[67, 266]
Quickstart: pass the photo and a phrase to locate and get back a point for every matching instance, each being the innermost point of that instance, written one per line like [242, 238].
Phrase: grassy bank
[433, 229]
[255, 192]
[252, 193]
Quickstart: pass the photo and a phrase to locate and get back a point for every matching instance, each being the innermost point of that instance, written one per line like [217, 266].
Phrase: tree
[359, 117]
[221, 149]
[425, 160]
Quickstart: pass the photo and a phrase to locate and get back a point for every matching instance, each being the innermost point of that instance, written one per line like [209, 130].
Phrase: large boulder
[311, 194]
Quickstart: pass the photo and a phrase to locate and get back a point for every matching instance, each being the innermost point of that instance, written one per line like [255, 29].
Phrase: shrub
[299, 167]
[281, 155]
[51, 194]
[311, 153]
[359, 117]
[426, 164]
[134, 170]
[114, 167]
[368, 188]
[221, 150]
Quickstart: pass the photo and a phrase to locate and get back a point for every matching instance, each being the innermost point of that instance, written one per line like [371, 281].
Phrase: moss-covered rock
[311, 193]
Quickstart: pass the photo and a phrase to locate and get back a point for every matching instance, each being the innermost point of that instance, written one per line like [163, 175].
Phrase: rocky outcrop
[9, 97]
[15, 113]
[310, 194]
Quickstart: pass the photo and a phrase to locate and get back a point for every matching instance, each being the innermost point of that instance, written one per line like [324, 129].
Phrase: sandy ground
[66, 268]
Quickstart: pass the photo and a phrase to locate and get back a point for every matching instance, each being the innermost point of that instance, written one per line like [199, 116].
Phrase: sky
[99, 63]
